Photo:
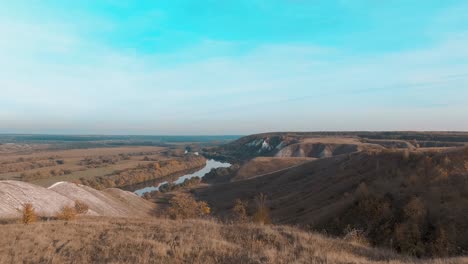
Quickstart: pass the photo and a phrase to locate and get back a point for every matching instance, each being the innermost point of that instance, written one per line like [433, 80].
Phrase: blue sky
[232, 67]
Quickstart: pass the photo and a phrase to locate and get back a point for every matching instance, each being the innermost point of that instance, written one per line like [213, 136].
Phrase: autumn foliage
[67, 213]
[184, 206]
[29, 214]
[239, 211]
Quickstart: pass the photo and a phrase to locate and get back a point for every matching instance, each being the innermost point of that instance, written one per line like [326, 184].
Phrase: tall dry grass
[29, 214]
[102, 240]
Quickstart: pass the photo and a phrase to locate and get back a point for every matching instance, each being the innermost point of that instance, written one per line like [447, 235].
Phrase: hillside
[263, 165]
[104, 240]
[328, 144]
[392, 192]
[48, 201]
[406, 200]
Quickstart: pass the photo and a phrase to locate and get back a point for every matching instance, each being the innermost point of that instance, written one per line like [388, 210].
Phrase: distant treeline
[116, 140]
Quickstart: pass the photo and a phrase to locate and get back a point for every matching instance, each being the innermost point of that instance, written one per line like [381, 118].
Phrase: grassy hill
[412, 201]
[326, 144]
[378, 196]
[105, 240]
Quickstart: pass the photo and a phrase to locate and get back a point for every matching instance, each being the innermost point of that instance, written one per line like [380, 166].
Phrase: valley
[399, 196]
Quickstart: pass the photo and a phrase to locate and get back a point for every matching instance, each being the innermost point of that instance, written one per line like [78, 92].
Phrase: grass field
[151, 240]
[45, 166]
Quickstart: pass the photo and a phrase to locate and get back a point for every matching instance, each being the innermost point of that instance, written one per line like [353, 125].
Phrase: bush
[239, 211]
[408, 239]
[362, 190]
[262, 214]
[67, 213]
[415, 210]
[147, 196]
[405, 155]
[29, 214]
[356, 236]
[441, 245]
[184, 206]
[81, 207]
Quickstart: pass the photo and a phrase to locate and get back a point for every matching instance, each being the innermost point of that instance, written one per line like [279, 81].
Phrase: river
[210, 164]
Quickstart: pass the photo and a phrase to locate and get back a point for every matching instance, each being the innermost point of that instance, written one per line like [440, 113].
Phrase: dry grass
[29, 214]
[263, 165]
[67, 213]
[39, 165]
[80, 153]
[262, 212]
[369, 191]
[168, 241]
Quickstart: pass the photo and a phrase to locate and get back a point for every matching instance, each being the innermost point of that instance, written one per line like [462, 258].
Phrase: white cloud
[51, 77]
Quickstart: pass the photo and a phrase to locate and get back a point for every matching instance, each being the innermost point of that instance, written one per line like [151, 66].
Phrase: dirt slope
[322, 150]
[291, 145]
[109, 202]
[14, 193]
[48, 201]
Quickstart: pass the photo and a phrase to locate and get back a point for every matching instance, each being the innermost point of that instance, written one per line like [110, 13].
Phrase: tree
[184, 206]
[29, 214]
[67, 213]
[240, 211]
[409, 234]
[415, 210]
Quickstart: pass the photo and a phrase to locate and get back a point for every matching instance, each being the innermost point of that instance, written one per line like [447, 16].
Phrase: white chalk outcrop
[48, 201]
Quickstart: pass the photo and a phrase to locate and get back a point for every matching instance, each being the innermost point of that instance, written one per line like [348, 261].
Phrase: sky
[232, 67]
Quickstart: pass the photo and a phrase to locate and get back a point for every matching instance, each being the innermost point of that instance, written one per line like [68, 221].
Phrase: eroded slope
[48, 201]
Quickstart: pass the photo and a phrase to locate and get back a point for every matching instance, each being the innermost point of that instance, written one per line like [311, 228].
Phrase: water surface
[210, 164]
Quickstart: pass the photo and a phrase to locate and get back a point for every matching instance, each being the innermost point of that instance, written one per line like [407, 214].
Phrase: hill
[327, 144]
[48, 201]
[263, 165]
[385, 190]
[412, 201]
[107, 240]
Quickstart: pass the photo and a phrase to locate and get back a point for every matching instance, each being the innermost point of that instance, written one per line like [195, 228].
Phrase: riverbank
[145, 172]
[210, 165]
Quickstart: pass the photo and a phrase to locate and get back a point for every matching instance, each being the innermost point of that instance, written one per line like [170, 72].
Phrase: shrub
[362, 190]
[446, 161]
[184, 206]
[239, 211]
[415, 210]
[356, 236]
[67, 213]
[441, 245]
[405, 155]
[81, 207]
[408, 239]
[262, 214]
[147, 196]
[410, 234]
[29, 214]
